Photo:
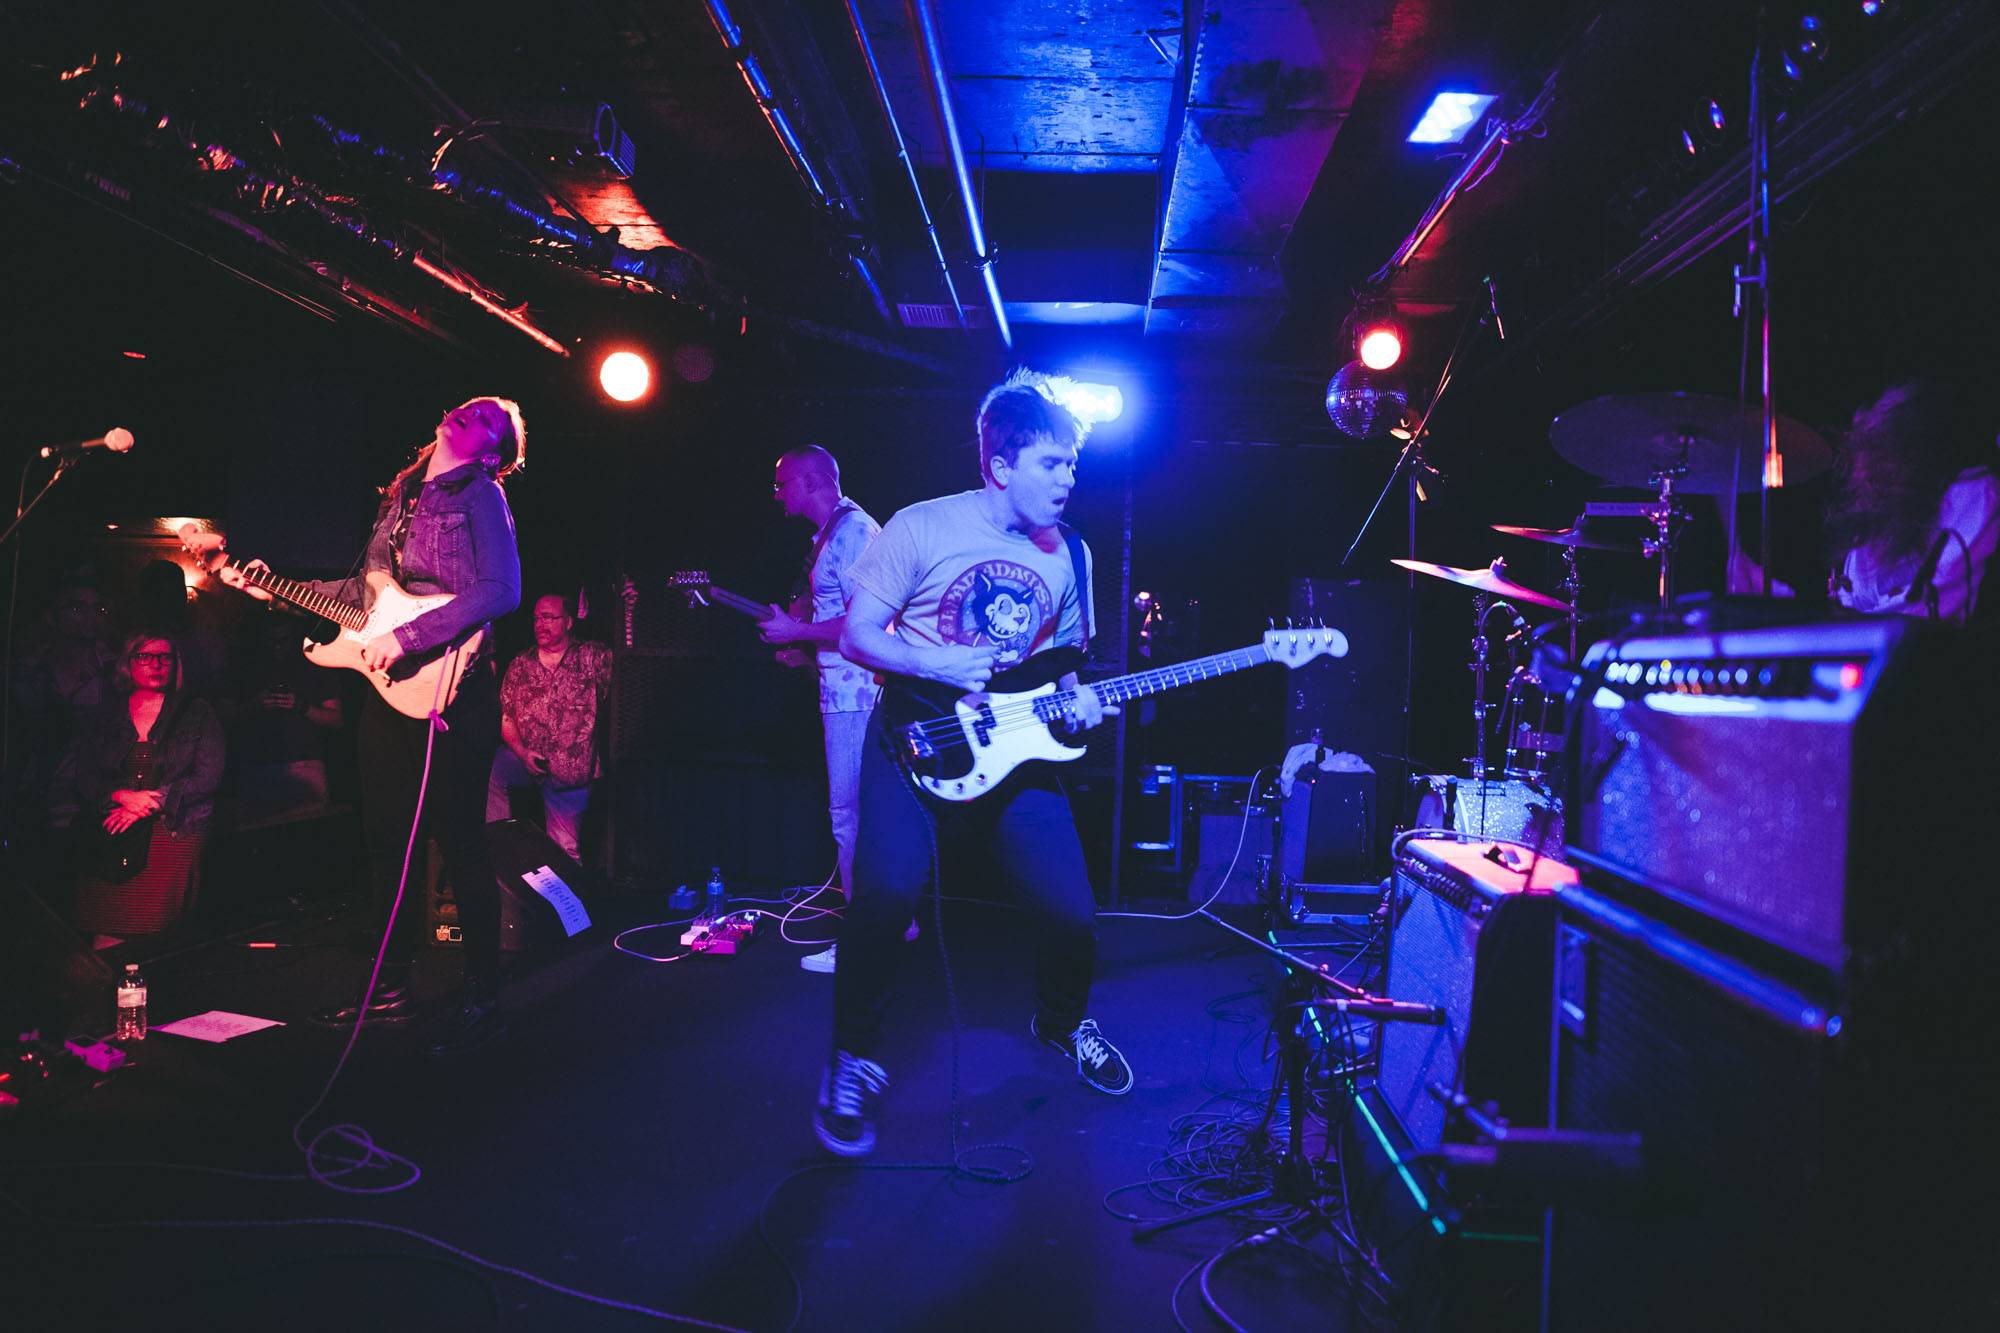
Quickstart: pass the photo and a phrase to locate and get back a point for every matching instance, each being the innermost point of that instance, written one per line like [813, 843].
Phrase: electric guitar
[414, 685]
[701, 591]
[958, 747]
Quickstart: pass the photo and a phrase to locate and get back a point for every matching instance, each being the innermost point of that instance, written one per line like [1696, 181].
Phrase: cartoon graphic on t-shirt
[998, 603]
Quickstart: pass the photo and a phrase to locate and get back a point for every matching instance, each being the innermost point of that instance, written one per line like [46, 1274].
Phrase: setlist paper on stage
[217, 1025]
[569, 908]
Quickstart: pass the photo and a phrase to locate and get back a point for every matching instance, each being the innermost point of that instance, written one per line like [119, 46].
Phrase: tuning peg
[1270, 622]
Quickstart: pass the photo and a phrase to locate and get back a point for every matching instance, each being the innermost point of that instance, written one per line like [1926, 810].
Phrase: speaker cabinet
[1814, 1154]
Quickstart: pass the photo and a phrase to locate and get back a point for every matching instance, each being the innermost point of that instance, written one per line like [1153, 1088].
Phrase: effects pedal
[722, 937]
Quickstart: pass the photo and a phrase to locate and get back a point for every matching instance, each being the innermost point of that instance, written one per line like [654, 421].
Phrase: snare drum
[1509, 809]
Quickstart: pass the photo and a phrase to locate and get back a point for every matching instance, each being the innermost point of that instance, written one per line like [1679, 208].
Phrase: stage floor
[632, 1132]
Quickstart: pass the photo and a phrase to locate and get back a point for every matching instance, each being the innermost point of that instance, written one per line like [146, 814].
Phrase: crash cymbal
[1569, 537]
[1492, 580]
[1628, 439]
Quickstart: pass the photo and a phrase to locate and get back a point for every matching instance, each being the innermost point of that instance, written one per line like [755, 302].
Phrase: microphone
[118, 440]
[1493, 304]
[1520, 626]
[1387, 1011]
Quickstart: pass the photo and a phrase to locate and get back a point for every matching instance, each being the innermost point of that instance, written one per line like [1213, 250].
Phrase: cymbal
[1569, 537]
[1492, 580]
[1628, 439]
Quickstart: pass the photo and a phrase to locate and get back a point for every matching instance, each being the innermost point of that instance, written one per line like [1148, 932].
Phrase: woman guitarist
[444, 527]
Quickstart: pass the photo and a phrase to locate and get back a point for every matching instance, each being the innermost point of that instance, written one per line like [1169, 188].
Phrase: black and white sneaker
[1098, 1062]
[848, 1093]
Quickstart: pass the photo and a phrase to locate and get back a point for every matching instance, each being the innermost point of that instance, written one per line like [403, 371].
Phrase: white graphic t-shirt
[959, 578]
[843, 686]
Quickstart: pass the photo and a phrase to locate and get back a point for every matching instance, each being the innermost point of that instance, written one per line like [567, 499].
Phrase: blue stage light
[1092, 404]
[1450, 115]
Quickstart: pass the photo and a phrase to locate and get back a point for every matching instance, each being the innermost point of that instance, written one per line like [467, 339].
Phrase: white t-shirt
[1969, 518]
[956, 577]
[843, 686]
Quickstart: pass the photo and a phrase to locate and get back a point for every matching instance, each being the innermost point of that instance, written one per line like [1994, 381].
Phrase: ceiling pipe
[923, 21]
[903, 156]
[774, 115]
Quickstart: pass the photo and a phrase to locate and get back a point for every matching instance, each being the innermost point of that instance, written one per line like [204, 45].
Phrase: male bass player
[443, 527]
[806, 485]
[972, 583]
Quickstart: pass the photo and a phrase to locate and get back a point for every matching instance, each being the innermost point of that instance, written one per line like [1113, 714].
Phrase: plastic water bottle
[131, 1006]
[717, 906]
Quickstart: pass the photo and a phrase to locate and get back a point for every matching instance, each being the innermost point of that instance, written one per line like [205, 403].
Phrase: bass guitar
[415, 686]
[958, 747]
[702, 591]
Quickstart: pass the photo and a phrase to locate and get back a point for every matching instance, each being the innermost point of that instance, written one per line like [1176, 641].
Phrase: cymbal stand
[1479, 666]
[1572, 587]
[1666, 516]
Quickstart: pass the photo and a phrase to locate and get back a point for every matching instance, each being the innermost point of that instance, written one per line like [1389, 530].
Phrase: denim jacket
[188, 755]
[461, 541]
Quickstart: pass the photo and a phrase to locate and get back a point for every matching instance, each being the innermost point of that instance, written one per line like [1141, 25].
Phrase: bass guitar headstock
[1296, 643]
[694, 584]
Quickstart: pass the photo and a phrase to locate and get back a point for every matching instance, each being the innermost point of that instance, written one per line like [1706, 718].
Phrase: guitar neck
[305, 597]
[1118, 689]
[724, 597]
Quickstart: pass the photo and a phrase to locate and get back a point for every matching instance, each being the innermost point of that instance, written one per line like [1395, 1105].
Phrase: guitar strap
[1074, 540]
[802, 586]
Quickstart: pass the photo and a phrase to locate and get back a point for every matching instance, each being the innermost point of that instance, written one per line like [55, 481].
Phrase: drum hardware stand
[1572, 587]
[1666, 516]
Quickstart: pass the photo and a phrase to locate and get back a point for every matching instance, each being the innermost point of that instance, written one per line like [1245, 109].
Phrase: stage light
[1364, 402]
[1380, 346]
[1450, 116]
[1716, 120]
[625, 376]
[1092, 404]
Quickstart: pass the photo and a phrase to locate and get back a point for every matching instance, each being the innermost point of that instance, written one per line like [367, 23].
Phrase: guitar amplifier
[1470, 936]
[1782, 780]
[1473, 938]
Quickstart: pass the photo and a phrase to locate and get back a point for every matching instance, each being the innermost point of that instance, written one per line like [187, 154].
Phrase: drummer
[1915, 514]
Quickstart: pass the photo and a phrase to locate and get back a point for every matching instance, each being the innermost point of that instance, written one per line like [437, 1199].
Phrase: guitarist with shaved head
[971, 583]
[806, 485]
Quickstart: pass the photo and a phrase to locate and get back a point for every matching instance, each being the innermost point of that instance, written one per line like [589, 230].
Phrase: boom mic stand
[1293, 1180]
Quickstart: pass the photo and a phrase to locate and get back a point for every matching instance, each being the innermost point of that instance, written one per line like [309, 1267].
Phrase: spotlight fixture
[1450, 116]
[625, 376]
[1380, 345]
[1092, 404]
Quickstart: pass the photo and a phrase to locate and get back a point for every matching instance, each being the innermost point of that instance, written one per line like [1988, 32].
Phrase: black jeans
[392, 770]
[1023, 828]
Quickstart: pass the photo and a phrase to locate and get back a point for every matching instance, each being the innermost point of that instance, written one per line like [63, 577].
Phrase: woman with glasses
[147, 763]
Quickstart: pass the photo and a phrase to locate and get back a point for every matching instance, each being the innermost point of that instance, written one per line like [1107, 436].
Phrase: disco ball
[1364, 402]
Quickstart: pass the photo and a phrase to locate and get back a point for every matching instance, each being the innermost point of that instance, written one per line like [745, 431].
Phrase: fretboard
[724, 597]
[305, 597]
[1118, 689]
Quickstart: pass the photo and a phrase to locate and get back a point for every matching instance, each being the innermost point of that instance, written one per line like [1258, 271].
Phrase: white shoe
[822, 961]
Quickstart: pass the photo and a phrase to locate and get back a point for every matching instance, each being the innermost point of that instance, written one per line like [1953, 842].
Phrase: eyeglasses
[151, 659]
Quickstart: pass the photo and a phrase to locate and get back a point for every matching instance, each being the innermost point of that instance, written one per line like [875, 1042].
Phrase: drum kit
[1671, 444]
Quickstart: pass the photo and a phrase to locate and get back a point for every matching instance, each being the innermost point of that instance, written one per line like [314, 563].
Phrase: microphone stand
[22, 508]
[1293, 1180]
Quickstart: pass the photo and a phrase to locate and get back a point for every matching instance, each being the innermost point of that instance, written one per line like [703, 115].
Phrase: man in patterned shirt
[807, 485]
[548, 719]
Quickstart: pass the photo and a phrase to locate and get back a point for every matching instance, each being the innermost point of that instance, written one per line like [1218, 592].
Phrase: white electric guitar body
[414, 686]
[958, 747]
